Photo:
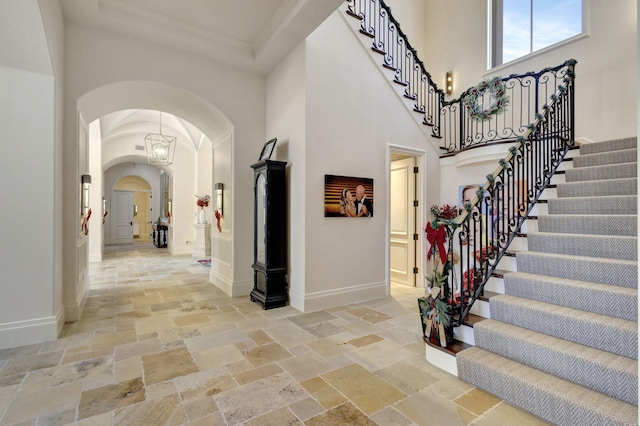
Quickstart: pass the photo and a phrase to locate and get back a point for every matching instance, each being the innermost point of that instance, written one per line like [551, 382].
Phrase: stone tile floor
[159, 345]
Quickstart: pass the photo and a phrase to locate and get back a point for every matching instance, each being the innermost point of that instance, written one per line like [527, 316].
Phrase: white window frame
[494, 51]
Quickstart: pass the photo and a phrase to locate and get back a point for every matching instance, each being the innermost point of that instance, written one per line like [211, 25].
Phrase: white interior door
[402, 246]
[123, 217]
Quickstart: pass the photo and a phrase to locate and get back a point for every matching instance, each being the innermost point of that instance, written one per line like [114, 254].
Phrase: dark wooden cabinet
[270, 234]
[160, 235]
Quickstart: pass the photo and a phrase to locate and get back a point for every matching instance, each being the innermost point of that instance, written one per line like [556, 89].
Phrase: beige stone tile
[6, 395]
[323, 392]
[477, 401]
[401, 336]
[217, 357]
[110, 340]
[154, 323]
[299, 350]
[68, 373]
[323, 329]
[23, 364]
[239, 367]
[260, 337]
[209, 388]
[240, 404]
[62, 398]
[311, 318]
[365, 340]
[379, 355]
[306, 408]
[504, 414]
[20, 351]
[360, 328]
[103, 419]
[107, 398]
[166, 411]
[288, 334]
[345, 414]
[208, 340]
[187, 320]
[390, 416]
[127, 369]
[199, 408]
[266, 354]
[167, 365]
[214, 419]
[280, 417]
[178, 334]
[14, 379]
[408, 375]
[329, 346]
[303, 367]
[160, 390]
[367, 391]
[368, 314]
[448, 386]
[449, 413]
[137, 349]
[84, 353]
[257, 373]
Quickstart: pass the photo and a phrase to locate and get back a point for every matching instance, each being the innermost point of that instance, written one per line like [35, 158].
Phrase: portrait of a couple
[355, 206]
[347, 196]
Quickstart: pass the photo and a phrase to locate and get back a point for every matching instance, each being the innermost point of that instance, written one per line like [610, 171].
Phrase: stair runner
[562, 342]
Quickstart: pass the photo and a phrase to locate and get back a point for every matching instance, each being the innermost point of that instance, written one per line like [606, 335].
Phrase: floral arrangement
[203, 201]
[445, 211]
[496, 90]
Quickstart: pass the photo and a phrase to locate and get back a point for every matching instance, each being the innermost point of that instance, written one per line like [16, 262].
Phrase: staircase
[562, 342]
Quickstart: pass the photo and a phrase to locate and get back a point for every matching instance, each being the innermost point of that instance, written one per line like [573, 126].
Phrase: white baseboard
[341, 296]
[73, 310]
[28, 332]
[231, 288]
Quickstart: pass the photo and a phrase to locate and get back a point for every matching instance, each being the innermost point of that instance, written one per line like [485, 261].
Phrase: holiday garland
[496, 90]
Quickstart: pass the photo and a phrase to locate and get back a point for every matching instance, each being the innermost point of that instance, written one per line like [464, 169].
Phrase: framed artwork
[267, 149]
[346, 196]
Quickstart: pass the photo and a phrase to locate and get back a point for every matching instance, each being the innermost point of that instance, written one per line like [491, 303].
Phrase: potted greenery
[435, 307]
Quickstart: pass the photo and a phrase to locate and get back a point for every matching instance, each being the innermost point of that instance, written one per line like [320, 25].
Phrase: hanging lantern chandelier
[160, 148]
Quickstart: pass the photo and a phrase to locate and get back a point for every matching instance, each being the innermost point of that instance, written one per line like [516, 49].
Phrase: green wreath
[496, 89]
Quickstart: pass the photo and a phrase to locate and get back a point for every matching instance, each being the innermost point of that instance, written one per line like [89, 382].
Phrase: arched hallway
[158, 344]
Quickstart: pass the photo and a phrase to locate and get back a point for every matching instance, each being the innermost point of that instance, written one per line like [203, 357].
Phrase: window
[521, 27]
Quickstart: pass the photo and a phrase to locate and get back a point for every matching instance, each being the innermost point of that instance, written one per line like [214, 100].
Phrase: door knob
[131, 223]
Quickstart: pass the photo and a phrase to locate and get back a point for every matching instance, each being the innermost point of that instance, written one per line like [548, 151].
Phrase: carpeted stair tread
[601, 371]
[551, 398]
[605, 187]
[602, 332]
[612, 171]
[601, 224]
[612, 300]
[603, 158]
[610, 145]
[622, 273]
[606, 246]
[614, 204]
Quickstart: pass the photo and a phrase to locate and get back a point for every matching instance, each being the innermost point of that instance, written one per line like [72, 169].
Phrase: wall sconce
[449, 83]
[219, 188]
[84, 201]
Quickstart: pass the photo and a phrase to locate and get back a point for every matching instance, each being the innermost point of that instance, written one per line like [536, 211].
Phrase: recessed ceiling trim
[119, 7]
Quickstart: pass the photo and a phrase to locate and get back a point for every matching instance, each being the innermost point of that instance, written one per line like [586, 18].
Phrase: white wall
[286, 120]
[606, 69]
[30, 214]
[351, 114]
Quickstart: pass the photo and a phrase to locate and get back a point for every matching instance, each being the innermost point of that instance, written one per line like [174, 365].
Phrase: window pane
[555, 21]
[516, 29]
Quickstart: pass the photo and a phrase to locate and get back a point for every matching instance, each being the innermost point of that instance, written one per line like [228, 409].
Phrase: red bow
[218, 217]
[437, 237]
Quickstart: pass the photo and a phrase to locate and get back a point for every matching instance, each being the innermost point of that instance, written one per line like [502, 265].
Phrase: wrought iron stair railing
[491, 221]
[539, 121]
